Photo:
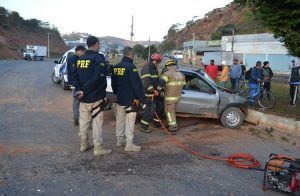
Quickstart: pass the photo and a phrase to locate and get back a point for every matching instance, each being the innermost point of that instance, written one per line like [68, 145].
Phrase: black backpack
[248, 74]
[295, 76]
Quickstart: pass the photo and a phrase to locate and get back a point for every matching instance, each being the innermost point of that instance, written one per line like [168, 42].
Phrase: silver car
[202, 97]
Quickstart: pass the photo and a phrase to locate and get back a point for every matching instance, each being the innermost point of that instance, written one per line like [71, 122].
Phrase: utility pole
[149, 49]
[232, 40]
[131, 34]
[48, 49]
[193, 51]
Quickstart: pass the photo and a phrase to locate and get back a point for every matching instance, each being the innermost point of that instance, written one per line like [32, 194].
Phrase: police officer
[90, 84]
[127, 85]
[150, 78]
[71, 64]
[172, 81]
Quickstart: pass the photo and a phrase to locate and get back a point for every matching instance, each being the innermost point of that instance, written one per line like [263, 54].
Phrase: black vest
[295, 76]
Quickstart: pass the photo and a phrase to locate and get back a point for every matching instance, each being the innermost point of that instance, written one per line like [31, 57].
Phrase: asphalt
[39, 148]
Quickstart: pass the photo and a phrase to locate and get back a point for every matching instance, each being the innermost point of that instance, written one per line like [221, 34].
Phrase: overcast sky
[113, 17]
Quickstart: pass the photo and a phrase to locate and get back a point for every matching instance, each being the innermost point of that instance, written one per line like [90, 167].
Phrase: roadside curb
[287, 124]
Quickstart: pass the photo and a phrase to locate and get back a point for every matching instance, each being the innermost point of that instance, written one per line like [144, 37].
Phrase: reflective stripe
[148, 95]
[145, 76]
[171, 98]
[144, 122]
[159, 88]
[154, 76]
[134, 70]
[172, 123]
[176, 83]
[165, 78]
[150, 88]
[169, 117]
[156, 120]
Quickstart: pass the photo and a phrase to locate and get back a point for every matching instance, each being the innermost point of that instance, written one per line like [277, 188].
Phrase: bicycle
[265, 99]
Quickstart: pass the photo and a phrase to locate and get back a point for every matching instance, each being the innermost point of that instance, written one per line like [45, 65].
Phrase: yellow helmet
[170, 62]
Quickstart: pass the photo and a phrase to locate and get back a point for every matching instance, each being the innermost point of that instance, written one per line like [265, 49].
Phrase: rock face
[217, 21]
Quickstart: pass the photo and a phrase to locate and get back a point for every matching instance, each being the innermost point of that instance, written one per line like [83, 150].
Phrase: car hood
[230, 99]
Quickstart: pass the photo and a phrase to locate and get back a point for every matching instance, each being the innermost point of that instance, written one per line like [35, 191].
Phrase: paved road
[39, 148]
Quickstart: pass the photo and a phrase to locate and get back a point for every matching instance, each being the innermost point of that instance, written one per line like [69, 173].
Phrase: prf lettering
[83, 63]
[119, 71]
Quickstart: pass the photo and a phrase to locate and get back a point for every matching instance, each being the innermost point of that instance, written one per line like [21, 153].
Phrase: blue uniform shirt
[126, 83]
[71, 64]
[91, 76]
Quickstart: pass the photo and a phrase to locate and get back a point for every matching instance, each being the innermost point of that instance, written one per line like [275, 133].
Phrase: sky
[113, 17]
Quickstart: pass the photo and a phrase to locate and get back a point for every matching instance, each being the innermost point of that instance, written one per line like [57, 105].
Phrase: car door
[57, 67]
[198, 96]
[64, 66]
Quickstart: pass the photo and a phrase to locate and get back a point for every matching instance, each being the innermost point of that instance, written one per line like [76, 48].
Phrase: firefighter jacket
[90, 76]
[126, 83]
[71, 64]
[150, 78]
[172, 81]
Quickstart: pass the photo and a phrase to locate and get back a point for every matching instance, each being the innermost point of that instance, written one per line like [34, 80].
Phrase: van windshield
[29, 50]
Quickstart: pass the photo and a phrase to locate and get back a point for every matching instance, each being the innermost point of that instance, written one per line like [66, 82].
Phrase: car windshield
[207, 76]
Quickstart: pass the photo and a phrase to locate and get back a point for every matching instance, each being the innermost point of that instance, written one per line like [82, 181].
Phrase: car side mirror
[213, 91]
[56, 62]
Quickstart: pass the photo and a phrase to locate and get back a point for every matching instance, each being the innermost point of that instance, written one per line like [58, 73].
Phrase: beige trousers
[85, 121]
[170, 109]
[124, 123]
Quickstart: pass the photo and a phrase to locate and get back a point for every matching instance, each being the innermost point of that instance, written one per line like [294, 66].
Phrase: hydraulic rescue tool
[280, 174]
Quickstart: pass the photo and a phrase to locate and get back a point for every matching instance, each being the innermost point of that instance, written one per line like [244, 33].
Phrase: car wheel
[63, 84]
[54, 79]
[232, 118]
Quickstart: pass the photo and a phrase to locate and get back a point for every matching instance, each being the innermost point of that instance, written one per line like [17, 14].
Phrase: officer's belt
[101, 106]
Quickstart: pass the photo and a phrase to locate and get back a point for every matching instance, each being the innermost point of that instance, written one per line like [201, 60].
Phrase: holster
[102, 105]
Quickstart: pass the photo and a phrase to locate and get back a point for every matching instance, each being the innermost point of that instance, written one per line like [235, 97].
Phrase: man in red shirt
[212, 70]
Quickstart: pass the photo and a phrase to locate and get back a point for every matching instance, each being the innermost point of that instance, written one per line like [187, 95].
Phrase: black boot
[172, 130]
[76, 122]
[144, 129]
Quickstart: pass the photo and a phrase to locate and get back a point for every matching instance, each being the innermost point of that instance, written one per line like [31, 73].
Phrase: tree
[138, 50]
[33, 23]
[153, 49]
[222, 31]
[167, 46]
[282, 17]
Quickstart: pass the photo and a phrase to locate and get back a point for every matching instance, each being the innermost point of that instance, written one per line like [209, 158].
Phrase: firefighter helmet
[170, 62]
[156, 57]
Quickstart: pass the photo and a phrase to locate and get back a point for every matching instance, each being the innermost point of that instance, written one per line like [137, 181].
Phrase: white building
[256, 47]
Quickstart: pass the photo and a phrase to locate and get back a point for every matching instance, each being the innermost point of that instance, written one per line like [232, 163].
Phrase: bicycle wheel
[266, 100]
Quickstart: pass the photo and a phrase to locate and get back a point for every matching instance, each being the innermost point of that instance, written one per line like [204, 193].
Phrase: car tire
[232, 117]
[54, 79]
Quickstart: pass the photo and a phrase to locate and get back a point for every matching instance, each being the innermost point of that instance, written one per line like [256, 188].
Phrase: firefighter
[172, 81]
[150, 78]
[90, 84]
[127, 85]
